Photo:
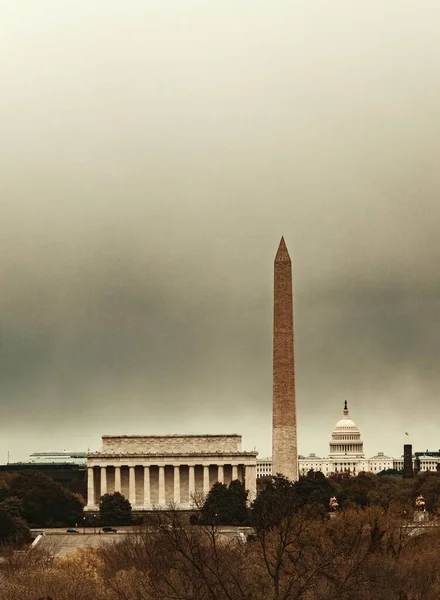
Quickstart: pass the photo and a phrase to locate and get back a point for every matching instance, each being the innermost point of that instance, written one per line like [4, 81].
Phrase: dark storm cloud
[151, 158]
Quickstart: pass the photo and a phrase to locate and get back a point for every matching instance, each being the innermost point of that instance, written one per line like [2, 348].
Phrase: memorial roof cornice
[172, 435]
[169, 454]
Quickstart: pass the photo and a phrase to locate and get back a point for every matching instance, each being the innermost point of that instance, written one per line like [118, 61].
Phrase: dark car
[108, 530]
[72, 531]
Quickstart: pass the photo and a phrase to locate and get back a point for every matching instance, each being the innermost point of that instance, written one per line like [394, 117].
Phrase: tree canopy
[41, 501]
[277, 500]
[114, 509]
[280, 498]
[13, 531]
[225, 505]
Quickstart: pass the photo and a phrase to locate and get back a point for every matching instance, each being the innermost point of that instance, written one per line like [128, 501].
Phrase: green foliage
[114, 509]
[353, 491]
[225, 505]
[215, 507]
[43, 502]
[276, 501]
[315, 490]
[280, 498]
[368, 489]
[389, 472]
[428, 484]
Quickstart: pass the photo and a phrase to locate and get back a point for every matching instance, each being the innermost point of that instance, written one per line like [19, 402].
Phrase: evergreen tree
[225, 505]
[277, 500]
[44, 502]
[238, 503]
[114, 509]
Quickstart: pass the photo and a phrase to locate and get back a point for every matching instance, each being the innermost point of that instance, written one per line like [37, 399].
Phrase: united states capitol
[346, 455]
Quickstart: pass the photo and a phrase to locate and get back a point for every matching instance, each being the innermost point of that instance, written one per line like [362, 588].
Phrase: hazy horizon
[153, 154]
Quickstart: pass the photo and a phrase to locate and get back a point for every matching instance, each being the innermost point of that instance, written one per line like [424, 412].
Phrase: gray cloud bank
[151, 158]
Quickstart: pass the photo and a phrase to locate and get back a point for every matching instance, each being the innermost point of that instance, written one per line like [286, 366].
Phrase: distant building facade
[66, 468]
[346, 452]
[264, 467]
[154, 472]
[64, 457]
[346, 455]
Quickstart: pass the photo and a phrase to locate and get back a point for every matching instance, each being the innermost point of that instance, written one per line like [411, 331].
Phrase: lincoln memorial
[156, 471]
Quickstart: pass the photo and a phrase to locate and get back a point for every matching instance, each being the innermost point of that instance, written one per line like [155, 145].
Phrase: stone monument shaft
[284, 439]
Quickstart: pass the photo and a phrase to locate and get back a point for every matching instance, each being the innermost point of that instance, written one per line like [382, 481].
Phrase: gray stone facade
[171, 443]
[157, 471]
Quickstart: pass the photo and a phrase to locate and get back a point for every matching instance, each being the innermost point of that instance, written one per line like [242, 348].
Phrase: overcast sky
[152, 153]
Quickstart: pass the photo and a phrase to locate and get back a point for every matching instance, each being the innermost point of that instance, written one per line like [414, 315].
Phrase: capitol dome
[346, 423]
[346, 438]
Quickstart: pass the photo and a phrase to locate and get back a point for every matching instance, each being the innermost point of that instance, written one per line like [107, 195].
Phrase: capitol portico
[157, 471]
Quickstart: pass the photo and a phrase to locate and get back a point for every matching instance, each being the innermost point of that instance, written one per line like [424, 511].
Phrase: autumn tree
[13, 506]
[13, 530]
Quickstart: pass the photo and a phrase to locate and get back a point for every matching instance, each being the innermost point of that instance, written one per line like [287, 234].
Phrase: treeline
[369, 549]
[368, 489]
[32, 499]
[360, 554]
[227, 505]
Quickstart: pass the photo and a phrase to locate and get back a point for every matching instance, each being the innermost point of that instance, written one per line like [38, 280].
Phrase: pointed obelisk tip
[282, 253]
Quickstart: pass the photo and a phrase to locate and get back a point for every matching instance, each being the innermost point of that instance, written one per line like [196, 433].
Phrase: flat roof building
[156, 471]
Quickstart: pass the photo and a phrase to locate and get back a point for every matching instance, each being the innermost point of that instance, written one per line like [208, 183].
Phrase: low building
[64, 467]
[429, 461]
[64, 457]
[264, 467]
[156, 471]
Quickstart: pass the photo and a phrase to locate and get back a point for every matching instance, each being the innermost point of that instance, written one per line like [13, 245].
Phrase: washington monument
[284, 442]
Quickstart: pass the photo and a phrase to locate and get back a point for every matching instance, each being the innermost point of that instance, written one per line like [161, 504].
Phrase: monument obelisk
[284, 440]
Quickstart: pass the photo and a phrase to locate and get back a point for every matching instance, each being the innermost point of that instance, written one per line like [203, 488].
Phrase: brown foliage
[357, 555]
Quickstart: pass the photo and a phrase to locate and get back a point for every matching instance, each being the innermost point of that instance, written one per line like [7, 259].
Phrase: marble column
[147, 496]
[90, 487]
[103, 481]
[251, 481]
[191, 483]
[161, 486]
[176, 484]
[131, 486]
[221, 474]
[206, 479]
[118, 479]
[234, 472]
